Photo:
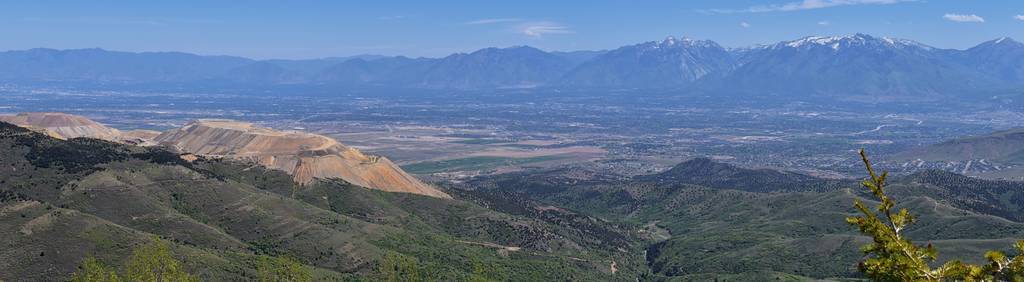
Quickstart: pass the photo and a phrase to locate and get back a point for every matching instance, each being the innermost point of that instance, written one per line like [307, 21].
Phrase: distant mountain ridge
[672, 62]
[996, 155]
[43, 64]
[1001, 146]
[851, 65]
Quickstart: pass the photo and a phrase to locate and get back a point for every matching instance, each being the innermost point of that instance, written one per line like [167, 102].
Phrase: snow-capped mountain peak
[817, 40]
[840, 42]
[671, 42]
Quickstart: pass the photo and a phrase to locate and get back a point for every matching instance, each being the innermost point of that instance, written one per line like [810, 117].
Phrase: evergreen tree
[893, 257]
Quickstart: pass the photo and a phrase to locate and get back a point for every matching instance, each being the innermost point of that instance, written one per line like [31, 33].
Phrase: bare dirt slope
[63, 126]
[67, 126]
[303, 155]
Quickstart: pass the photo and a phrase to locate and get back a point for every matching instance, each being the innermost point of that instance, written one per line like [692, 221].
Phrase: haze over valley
[793, 140]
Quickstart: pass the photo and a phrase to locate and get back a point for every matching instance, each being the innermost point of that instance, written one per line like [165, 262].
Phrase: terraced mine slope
[303, 155]
[67, 126]
[63, 126]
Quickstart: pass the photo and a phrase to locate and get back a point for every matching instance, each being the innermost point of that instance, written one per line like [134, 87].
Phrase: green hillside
[66, 200]
[792, 224]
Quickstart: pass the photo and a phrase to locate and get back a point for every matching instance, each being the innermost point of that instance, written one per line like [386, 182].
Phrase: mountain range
[1006, 146]
[849, 65]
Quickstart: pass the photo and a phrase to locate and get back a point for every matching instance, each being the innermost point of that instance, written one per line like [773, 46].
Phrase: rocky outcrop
[305, 156]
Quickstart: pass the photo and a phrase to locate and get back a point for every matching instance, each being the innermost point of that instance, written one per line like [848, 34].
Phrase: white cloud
[526, 27]
[540, 29]
[492, 21]
[391, 18]
[804, 5]
[1019, 17]
[824, 23]
[964, 18]
[744, 24]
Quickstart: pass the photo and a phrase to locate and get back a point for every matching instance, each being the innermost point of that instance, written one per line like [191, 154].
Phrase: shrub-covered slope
[706, 220]
[64, 200]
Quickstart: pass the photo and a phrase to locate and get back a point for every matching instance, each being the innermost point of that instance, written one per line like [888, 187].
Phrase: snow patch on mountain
[848, 41]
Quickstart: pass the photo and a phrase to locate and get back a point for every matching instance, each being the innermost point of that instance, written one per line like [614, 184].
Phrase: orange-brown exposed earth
[67, 126]
[63, 126]
[305, 156]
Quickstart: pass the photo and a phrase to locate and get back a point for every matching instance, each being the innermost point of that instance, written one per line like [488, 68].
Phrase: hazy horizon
[663, 140]
[314, 29]
[500, 47]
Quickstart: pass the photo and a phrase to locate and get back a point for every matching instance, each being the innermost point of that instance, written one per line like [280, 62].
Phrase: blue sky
[309, 29]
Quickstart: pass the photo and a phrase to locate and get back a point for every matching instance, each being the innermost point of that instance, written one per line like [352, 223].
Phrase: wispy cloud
[824, 23]
[391, 18]
[964, 18]
[803, 5]
[1019, 17]
[542, 28]
[744, 24]
[492, 21]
